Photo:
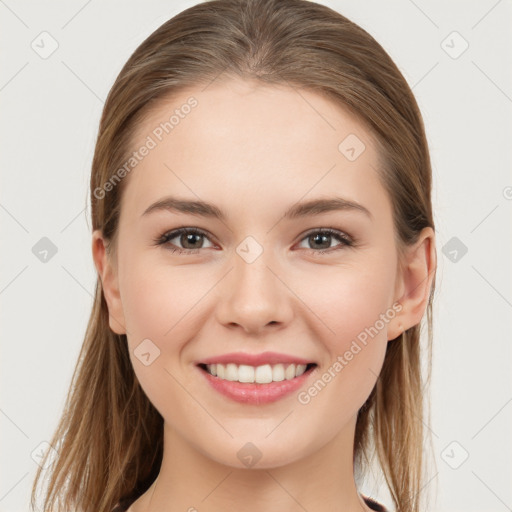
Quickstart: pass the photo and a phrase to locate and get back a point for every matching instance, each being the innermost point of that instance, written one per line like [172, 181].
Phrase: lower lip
[249, 393]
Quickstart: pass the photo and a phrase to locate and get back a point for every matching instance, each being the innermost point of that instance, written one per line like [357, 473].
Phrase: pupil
[190, 238]
[324, 237]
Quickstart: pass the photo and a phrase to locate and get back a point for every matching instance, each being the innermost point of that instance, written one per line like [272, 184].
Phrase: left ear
[414, 281]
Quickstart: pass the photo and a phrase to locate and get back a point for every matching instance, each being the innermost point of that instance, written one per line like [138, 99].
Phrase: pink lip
[254, 359]
[256, 394]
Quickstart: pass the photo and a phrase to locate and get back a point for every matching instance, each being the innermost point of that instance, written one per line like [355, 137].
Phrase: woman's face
[254, 278]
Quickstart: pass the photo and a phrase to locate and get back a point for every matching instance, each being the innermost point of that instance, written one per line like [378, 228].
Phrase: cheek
[158, 300]
[158, 303]
[352, 313]
[350, 301]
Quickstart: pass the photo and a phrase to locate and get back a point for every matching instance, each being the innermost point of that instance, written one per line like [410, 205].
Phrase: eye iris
[186, 238]
[323, 237]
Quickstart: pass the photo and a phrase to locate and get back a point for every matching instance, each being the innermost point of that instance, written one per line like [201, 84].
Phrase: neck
[190, 481]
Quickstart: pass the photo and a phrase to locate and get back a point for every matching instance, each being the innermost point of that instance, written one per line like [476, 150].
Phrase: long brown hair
[109, 440]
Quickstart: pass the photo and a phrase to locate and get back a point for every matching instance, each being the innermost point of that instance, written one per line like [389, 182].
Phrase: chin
[258, 454]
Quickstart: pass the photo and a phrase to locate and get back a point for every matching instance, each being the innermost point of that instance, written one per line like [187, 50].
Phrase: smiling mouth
[263, 374]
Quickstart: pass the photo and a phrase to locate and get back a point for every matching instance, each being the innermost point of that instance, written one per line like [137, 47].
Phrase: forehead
[243, 142]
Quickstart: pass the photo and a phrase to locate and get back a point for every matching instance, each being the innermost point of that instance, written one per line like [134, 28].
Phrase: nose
[254, 296]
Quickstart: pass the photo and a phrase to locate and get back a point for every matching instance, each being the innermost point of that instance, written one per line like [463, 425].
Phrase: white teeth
[278, 373]
[263, 374]
[231, 372]
[290, 372]
[301, 368]
[245, 373]
[260, 374]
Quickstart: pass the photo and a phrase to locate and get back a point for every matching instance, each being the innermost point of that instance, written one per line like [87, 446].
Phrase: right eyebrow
[200, 208]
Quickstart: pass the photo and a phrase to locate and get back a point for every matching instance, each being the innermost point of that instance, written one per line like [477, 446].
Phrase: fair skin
[254, 151]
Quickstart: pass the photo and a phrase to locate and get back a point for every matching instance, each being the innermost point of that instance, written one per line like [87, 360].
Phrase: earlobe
[107, 273]
[416, 275]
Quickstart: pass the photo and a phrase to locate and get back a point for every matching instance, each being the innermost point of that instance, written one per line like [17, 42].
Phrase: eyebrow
[298, 210]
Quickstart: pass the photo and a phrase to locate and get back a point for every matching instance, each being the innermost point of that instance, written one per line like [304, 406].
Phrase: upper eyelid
[333, 231]
[176, 232]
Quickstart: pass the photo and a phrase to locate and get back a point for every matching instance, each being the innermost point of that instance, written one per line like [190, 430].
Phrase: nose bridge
[252, 296]
[253, 281]
[253, 275]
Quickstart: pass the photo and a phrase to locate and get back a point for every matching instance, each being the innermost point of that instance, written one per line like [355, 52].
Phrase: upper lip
[254, 359]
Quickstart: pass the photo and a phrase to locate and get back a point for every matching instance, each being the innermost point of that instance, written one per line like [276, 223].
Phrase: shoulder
[374, 505]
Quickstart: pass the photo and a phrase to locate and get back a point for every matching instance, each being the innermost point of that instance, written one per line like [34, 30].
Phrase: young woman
[265, 248]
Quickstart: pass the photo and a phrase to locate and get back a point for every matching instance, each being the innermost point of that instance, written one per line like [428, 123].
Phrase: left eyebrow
[318, 206]
[298, 210]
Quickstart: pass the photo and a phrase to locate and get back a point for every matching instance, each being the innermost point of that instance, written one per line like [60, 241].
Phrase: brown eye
[323, 238]
[191, 239]
[185, 240]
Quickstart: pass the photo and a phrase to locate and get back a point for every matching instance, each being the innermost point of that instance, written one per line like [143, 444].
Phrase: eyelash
[346, 241]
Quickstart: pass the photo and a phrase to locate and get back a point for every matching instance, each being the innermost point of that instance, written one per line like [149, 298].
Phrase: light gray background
[50, 114]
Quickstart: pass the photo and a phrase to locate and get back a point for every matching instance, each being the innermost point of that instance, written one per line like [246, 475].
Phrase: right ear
[109, 281]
